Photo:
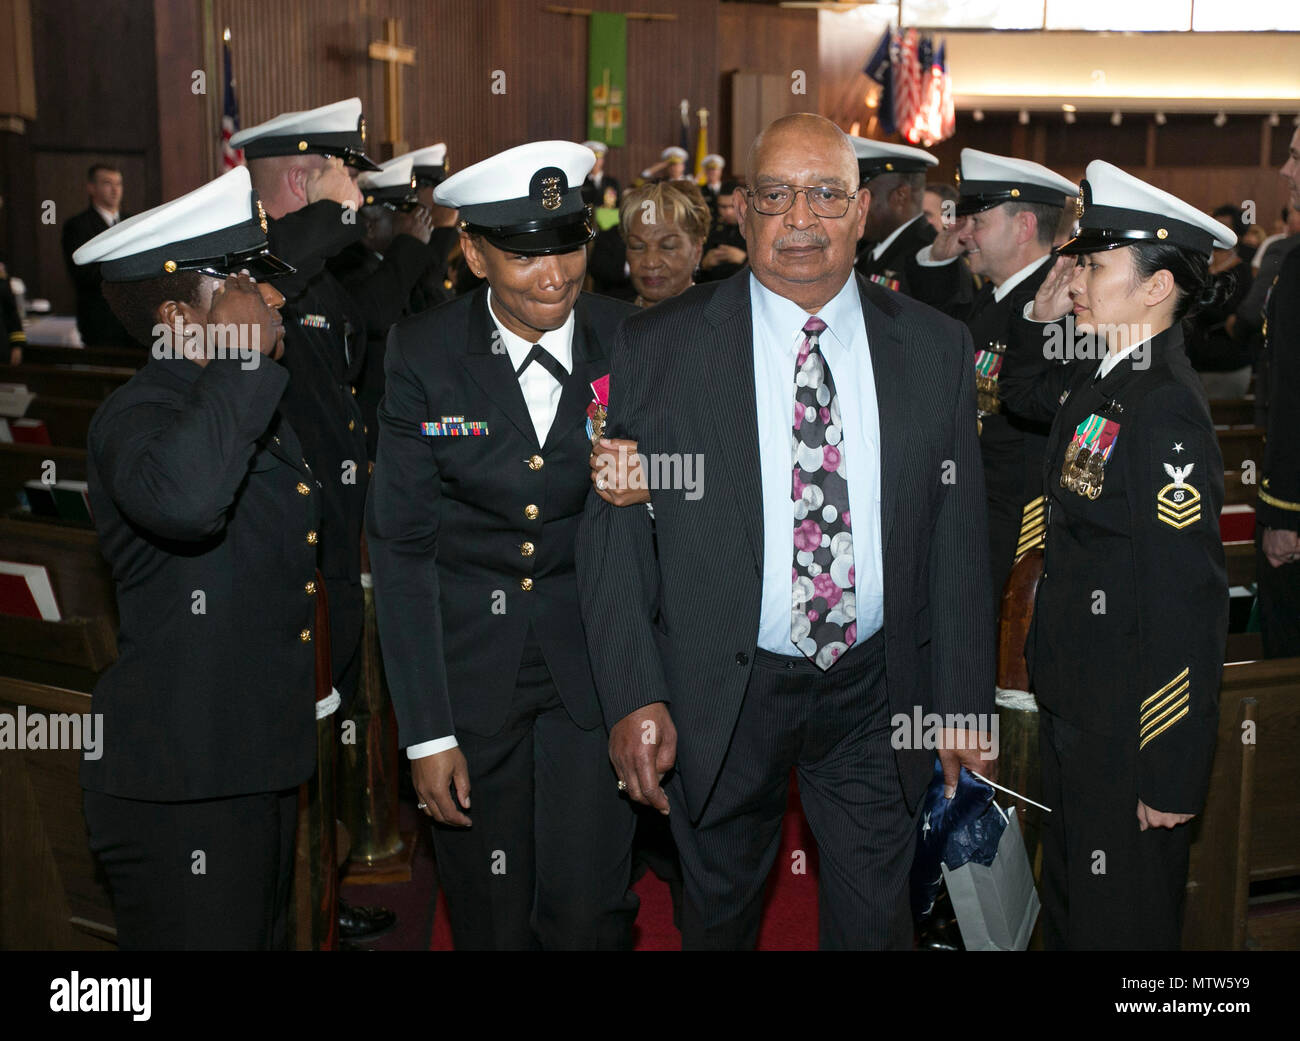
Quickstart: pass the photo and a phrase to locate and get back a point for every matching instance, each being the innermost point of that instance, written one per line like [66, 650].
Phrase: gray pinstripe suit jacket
[671, 614]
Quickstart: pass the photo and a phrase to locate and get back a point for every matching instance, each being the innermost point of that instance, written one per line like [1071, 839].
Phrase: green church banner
[607, 78]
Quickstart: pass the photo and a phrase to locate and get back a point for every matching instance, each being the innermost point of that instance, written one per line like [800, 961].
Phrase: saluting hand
[1052, 300]
[416, 222]
[333, 181]
[434, 777]
[643, 747]
[946, 244]
[246, 304]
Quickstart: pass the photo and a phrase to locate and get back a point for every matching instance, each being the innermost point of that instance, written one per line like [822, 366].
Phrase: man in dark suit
[96, 322]
[822, 583]
[207, 514]
[1008, 211]
[480, 480]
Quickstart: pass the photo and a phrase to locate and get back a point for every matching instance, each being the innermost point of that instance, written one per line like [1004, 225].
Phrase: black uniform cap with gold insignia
[218, 229]
[525, 200]
[1119, 210]
[334, 130]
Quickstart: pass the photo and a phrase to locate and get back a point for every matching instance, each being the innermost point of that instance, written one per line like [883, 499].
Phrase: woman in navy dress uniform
[1130, 619]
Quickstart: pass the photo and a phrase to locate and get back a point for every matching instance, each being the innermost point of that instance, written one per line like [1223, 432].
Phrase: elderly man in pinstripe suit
[829, 579]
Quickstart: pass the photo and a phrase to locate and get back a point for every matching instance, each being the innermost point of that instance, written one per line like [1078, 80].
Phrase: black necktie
[546, 360]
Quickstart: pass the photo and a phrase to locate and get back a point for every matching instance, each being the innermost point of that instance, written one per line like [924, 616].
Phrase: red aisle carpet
[790, 911]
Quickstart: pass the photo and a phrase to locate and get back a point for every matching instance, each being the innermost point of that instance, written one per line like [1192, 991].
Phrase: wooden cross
[394, 55]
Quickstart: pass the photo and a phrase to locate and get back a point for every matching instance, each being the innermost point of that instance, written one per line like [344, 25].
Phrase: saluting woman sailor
[1130, 619]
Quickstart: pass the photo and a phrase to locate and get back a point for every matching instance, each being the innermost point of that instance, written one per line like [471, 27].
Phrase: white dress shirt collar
[777, 312]
[558, 341]
[1111, 360]
[878, 250]
[1015, 280]
[110, 216]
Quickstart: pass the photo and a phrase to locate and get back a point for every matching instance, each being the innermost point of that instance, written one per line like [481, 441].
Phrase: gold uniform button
[536, 462]
[354, 392]
[525, 584]
[527, 549]
[311, 588]
[311, 538]
[370, 467]
[531, 512]
[303, 489]
[352, 424]
[305, 636]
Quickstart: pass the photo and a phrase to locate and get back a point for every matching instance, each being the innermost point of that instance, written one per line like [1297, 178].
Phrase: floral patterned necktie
[823, 605]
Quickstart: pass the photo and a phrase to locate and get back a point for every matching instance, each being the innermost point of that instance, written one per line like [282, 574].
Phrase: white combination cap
[988, 180]
[335, 130]
[527, 199]
[882, 157]
[1116, 209]
[218, 229]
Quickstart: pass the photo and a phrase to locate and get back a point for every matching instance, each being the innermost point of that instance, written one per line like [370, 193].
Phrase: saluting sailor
[1126, 648]
[1008, 212]
[480, 481]
[208, 515]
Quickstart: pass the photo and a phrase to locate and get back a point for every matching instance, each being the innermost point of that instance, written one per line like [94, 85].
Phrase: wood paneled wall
[771, 40]
[295, 54]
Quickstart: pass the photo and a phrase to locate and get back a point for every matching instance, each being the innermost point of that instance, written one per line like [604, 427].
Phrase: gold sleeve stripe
[1171, 696]
[1033, 531]
[1182, 702]
[1157, 733]
[1168, 686]
[18, 336]
[1281, 504]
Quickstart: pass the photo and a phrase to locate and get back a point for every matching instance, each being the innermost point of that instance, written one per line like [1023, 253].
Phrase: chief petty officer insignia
[1090, 449]
[1178, 504]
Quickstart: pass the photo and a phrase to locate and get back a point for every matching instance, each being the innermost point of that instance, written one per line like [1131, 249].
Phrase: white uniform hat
[881, 157]
[713, 159]
[988, 180]
[218, 229]
[429, 165]
[527, 199]
[336, 130]
[393, 185]
[599, 147]
[1116, 209]
[674, 154]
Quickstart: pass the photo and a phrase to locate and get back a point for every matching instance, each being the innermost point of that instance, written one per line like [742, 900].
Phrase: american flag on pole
[907, 87]
[230, 157]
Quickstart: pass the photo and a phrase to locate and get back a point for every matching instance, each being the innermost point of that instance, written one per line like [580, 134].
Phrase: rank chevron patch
[1164, 708]
[1178, 504]
[1033, 530]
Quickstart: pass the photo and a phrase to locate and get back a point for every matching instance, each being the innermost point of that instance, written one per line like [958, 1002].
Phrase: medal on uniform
[598, 409]
[988, 364]
[1084, 467]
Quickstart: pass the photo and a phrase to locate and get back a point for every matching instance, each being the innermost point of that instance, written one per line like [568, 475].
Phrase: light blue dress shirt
[778, 334]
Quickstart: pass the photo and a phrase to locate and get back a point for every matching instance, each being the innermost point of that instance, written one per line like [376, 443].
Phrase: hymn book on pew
[25, 590]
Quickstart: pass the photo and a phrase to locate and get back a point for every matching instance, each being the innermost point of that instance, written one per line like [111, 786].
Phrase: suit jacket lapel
[589, 364]
[492, 370]
[729, 399]
[889, 371]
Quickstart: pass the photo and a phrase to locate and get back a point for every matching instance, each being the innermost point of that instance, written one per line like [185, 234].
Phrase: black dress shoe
[357, 924]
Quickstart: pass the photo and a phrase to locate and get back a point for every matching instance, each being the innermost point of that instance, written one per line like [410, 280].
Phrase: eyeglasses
[772, 200]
